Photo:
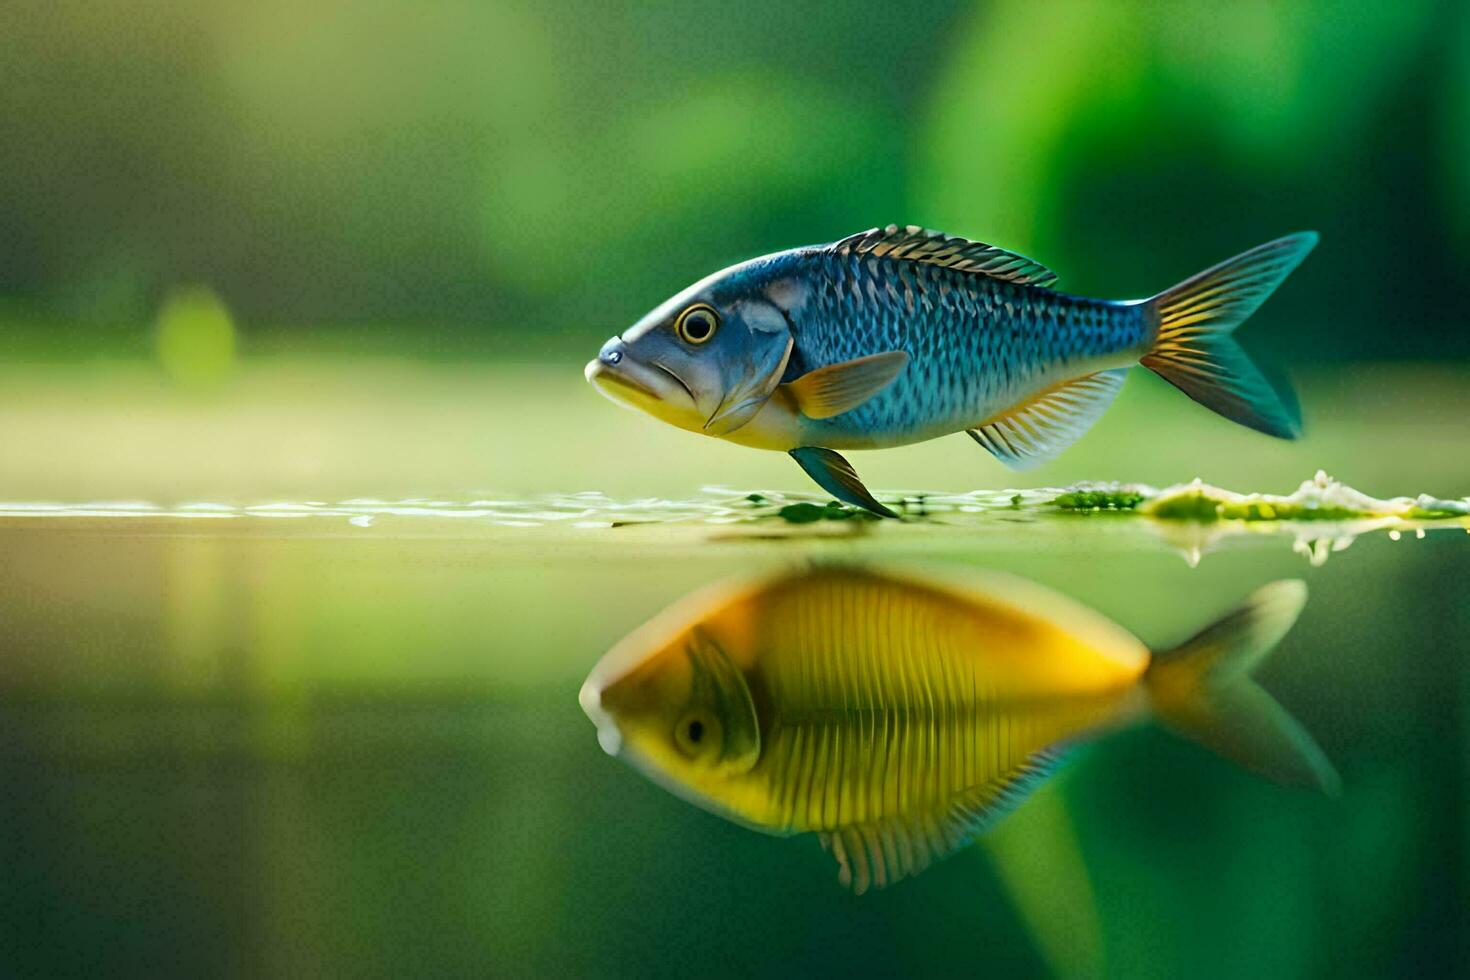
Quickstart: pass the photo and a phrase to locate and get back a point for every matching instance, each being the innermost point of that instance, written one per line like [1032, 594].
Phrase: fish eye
[697, 324]
[697, 734]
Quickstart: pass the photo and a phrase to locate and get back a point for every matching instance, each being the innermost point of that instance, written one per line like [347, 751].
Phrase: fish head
[680, 711]
[707, 359]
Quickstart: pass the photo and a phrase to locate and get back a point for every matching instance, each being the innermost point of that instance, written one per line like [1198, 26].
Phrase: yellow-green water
[288, 688]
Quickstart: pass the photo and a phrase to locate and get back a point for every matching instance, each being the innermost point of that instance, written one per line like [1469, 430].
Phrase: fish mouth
[679, 381]
[604, 376]
[641, 383]
[608, 736]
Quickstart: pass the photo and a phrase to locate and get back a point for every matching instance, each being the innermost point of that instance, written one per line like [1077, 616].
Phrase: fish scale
[978, 344]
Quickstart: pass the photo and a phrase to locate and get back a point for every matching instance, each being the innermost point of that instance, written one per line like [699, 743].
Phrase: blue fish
[898, 335]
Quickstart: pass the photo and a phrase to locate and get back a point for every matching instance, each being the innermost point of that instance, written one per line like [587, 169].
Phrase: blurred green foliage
[195, 338]
[521, 179]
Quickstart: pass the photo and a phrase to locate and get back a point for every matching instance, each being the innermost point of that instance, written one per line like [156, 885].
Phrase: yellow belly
[778, 425]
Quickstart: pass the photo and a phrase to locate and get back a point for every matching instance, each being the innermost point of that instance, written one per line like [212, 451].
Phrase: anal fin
[881, 852]
[836, 476]
[1039, 429]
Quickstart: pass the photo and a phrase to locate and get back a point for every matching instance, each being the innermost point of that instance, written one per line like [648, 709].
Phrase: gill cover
[753, 357]
[719, 686]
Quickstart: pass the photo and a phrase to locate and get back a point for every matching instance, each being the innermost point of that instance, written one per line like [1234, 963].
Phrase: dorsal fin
[1036, 431]
[879, 853]
[915, 244]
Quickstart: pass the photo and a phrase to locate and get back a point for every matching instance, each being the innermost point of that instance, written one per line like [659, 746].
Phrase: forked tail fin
[1202, 690]
[1195, 353]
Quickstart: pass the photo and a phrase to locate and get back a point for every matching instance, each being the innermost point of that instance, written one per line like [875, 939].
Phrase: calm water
[256, 745]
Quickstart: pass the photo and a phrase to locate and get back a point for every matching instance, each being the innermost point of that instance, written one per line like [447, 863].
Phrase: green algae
[809, 513]
[1319, 499]
[1100, 499]
[1322, 516]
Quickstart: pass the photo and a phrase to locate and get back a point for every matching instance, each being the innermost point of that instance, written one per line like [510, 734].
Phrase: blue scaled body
[977, 345]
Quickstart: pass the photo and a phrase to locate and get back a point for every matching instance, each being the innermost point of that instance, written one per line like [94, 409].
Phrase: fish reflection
[896, 716]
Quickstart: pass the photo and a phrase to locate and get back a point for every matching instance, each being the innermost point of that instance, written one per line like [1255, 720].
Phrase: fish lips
[608, 736]
[639, 384]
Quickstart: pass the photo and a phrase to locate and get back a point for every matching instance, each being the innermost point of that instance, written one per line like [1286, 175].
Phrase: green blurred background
[258, 251]
[509, 179]
[284, 251]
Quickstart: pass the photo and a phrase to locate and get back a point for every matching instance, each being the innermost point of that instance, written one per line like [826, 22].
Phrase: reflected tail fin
[1202, 690]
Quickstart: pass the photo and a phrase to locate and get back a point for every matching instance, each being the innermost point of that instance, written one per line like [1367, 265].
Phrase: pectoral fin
[839, 388]
[1036, 431]
[879, 853]
[836, 476]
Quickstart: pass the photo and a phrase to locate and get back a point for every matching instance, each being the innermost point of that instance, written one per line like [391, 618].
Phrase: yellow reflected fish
[896, 716]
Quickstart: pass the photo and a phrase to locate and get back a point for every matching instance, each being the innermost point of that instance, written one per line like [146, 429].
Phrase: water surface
[268, 743]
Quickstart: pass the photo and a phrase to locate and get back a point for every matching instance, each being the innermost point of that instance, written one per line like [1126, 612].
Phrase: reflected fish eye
[697, 324]
[697, 734]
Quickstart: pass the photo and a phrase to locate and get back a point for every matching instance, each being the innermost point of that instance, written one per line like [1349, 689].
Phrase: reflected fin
[877, 854]
[1037, 431]
[839, 388]
[1202, 690]
[718, 682]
